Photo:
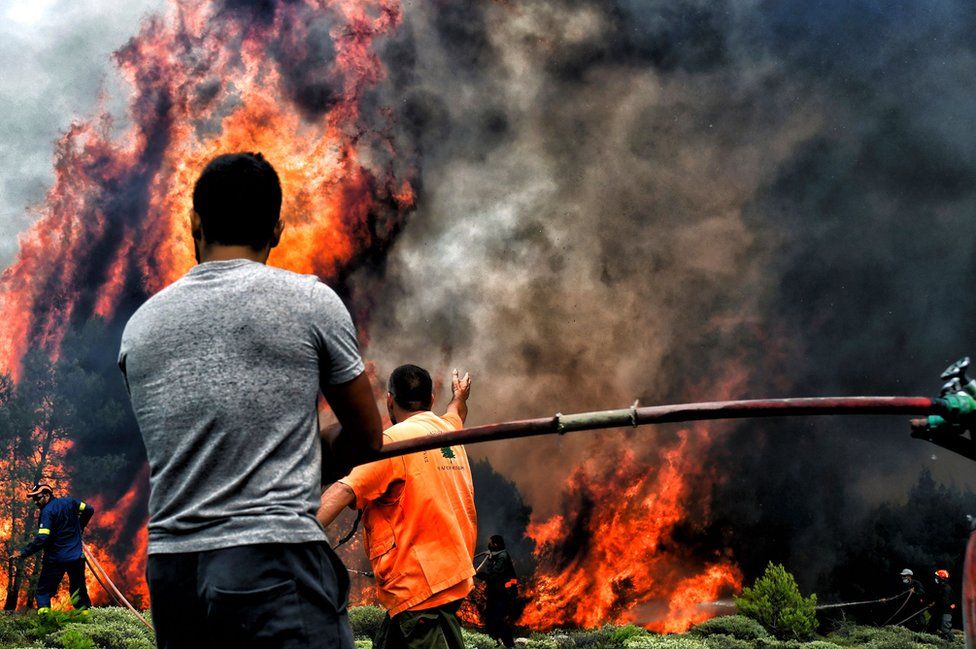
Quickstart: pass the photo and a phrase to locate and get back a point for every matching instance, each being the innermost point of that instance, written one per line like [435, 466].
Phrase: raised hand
[460, 385]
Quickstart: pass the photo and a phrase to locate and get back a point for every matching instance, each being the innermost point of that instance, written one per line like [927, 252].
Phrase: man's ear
[389, 401]
[196, 225]
[276, 235]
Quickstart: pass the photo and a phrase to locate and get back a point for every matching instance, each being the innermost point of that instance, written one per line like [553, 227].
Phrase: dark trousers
[273, 596]
[52, 572]
[430, 628]
[497, 624]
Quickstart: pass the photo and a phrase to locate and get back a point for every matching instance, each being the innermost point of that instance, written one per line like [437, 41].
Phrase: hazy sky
[56, 58]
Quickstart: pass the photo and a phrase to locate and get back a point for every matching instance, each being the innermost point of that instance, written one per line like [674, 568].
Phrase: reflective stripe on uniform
[43, 530]
[81, 507]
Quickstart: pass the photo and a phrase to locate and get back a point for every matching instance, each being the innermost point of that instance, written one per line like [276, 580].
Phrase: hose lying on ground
[105, 582]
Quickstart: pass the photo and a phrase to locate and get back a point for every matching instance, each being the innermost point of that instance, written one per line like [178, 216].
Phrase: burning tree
[32, 443]
[55, 407]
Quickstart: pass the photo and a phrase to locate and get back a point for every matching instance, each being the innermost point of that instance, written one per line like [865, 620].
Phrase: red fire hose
[106, 583]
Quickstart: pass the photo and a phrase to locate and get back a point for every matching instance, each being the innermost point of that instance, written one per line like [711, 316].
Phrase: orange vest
[419, 519]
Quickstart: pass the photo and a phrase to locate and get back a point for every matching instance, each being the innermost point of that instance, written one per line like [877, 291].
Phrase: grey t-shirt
[224, 368]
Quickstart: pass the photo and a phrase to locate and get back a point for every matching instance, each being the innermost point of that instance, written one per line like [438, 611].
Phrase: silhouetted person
[943, 605]
[501, 588]
[225, 367]
[917, 601]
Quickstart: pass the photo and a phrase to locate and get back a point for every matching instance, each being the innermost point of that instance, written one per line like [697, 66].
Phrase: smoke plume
[682, 201]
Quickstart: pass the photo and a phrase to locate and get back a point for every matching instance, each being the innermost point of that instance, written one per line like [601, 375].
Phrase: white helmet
[907, 573]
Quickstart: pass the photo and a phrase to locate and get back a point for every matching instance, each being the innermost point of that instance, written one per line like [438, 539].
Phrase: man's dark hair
[238, 198]
[497, 541]
[411, 387]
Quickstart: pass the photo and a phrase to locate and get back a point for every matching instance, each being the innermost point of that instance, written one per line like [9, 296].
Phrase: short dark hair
[238, 199]
[497, 541]
[411, 387]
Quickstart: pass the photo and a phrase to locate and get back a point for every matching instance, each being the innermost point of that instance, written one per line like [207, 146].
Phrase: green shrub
[16, 629]
[602, 638]
[889, 637]
[820, 644]
[664, 642]
[722, 641]
[623, 633]
[110, 627]
[737, 626]
[366, 620]
[475, 640]
[54, 619]
[72, 639]
[776, 603]
[364, 644]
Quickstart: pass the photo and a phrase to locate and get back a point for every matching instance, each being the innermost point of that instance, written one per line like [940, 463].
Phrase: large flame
[208, 78]
[612, 558]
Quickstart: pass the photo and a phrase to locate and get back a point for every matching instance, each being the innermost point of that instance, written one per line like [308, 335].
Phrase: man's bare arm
[362, 429]
[336, 498]
[461, 389]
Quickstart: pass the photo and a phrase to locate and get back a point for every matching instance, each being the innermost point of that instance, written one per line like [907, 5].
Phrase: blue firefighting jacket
[59, 530]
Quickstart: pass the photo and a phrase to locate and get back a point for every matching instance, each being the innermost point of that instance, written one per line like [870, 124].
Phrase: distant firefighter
[917, 601]
[59, 535]
[501, 589]
[943, 605]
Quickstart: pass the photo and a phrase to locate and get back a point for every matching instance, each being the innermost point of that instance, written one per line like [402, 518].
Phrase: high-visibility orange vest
[419, 519]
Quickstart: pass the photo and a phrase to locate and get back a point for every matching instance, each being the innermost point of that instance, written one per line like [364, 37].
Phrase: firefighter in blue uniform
[59, 534]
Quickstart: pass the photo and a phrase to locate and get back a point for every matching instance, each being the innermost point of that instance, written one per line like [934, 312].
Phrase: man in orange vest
[418, 517]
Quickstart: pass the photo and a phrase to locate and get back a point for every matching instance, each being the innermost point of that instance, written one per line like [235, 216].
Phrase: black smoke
[679, 201]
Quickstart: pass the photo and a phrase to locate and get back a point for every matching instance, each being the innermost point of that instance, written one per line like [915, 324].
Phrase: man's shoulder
[58, 504]
[155, 303]
[285, 277]
[308, 290]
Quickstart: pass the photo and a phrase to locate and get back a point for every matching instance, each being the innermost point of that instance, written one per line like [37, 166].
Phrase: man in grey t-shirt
[224, 368]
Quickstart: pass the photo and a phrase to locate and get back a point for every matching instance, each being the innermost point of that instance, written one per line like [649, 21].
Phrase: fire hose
[948, 417]
[106, 583]
[880, 600]
[635, 416]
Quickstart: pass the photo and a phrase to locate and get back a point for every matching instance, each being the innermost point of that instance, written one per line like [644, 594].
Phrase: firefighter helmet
[907, 573]
[40, 489]
[942, 574]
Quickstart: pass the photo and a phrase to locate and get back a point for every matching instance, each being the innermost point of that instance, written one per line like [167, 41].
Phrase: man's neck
[227, 253]
[403, 415]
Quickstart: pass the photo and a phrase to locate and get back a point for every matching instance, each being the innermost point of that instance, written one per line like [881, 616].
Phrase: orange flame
[615, 554]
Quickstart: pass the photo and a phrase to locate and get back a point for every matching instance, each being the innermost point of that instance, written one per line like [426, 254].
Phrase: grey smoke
[56, 61]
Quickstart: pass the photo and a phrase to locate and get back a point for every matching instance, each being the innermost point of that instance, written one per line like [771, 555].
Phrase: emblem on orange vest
[448, 453]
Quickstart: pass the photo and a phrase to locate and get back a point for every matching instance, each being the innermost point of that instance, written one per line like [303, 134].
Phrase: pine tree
[774, 601]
